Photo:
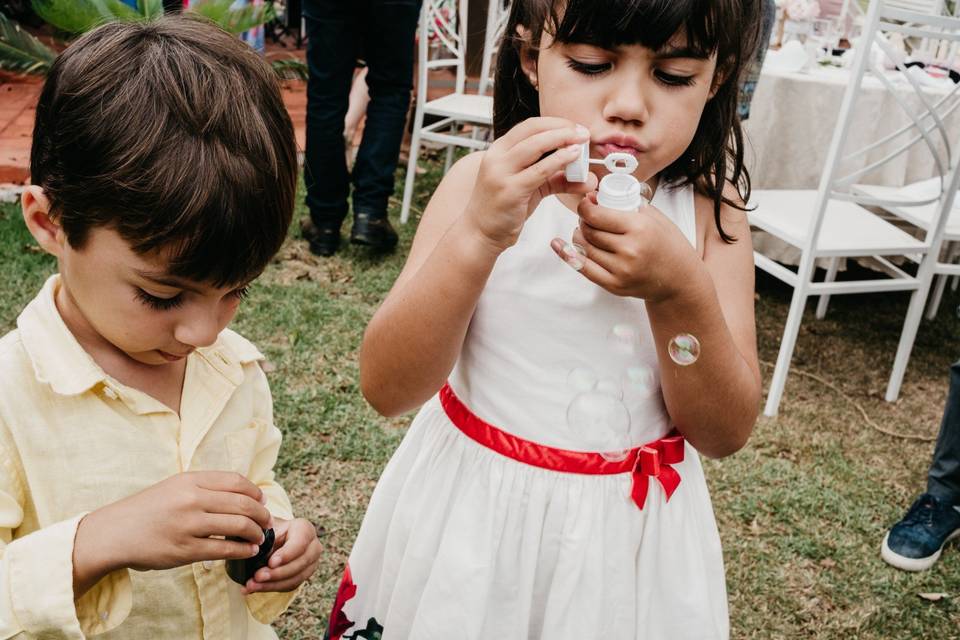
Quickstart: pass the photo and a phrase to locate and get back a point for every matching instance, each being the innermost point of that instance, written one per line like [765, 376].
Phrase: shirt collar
[57, 357]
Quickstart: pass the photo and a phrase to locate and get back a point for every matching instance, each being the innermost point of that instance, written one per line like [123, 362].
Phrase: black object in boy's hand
[242, 570]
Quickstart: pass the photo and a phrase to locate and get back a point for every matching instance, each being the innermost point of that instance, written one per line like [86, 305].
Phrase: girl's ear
[528, 56]
[40, 220]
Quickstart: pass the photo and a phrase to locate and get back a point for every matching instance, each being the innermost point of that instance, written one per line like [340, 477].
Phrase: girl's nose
[627, 102]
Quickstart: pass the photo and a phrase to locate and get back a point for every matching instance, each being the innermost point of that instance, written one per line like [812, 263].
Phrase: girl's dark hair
[173, 133]
[729, 28]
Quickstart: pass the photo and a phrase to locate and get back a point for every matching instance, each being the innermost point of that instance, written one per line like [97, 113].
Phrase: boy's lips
[172, 357]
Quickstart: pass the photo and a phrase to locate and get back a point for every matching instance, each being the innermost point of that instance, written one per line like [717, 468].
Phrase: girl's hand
[296, 553]
[518, 171]
[641, 255]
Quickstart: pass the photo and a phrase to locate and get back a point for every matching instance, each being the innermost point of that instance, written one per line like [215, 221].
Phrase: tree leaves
[20, 52]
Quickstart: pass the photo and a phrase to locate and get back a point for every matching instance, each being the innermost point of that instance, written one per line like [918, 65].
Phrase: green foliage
[290, 69]
[234, 20]
[75, 17]
[20, 52]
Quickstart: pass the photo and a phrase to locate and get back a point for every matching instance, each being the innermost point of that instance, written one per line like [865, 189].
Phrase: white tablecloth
[792, 118]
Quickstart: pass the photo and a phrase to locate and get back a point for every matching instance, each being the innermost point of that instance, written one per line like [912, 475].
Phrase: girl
[552, 488]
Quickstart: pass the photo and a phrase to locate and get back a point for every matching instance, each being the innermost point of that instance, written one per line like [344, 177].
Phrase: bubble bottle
[619, 189]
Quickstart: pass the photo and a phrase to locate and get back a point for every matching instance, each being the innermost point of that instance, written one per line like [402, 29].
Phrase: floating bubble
[684, 349]
[640, 380]
[599, 418]
[625, 337]
[582, 379]
[610, 387]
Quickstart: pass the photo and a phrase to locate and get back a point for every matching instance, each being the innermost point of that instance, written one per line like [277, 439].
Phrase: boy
[136, 431]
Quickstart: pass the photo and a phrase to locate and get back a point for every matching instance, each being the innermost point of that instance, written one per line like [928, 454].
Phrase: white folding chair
[833, 222]
[449, 31]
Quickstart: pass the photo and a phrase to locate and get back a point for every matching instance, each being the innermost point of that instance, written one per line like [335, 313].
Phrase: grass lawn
[801, 509]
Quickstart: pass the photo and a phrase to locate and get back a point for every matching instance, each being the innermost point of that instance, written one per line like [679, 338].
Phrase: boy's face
[112, 297]
[131, 302]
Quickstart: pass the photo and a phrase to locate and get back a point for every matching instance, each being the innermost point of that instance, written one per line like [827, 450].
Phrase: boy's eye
[673, 80]
[242, 292]
[587, 68]
[160, 304]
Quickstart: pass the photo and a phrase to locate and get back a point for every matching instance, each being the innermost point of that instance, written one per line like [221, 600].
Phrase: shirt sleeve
[267, 607]
[36, 572]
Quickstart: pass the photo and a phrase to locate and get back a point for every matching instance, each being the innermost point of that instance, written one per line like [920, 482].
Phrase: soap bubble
[598, 418]
[684, 349]
[625, 337]
[616, 455]
[582, 379]
[640, 380]
[610, 387]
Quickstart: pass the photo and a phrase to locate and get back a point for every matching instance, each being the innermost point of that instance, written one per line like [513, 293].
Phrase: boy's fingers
[228, 481]
[285, 571]
[218, 524]
[216, 549]
[236, 504]
[283, 585]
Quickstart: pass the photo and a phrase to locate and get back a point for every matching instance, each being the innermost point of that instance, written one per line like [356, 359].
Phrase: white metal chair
[449, 31]
[833, 221]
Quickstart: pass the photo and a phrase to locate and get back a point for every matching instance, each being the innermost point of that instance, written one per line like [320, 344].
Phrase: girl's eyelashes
[160, 304]
[672, 80]
[587, 68]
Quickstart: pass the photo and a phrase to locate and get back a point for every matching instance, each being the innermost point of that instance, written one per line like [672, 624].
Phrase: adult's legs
[331, 57]
[943, 478]
[389, 30]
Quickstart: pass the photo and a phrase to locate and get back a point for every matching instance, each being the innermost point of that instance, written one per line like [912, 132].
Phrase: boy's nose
[198, 331]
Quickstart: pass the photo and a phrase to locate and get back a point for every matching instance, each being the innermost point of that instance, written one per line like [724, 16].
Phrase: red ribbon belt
[651, 460]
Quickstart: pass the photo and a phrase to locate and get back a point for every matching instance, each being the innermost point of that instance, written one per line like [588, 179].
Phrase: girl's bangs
[650, 23]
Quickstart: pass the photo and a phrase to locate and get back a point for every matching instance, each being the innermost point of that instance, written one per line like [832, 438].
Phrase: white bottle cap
[577, 170]
[619, 189]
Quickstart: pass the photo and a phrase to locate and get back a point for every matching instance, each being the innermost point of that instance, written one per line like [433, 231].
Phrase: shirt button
[110, 393]
[207, 565]
[104, 615]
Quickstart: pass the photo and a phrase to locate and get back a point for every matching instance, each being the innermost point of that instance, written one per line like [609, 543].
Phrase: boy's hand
[520, 169]
[171, 524]
[295, 556]
[639, 254]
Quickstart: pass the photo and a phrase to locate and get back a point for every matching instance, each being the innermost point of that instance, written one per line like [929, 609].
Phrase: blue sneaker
[915, 543]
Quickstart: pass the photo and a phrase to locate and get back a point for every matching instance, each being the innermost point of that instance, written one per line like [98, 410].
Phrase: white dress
[460, 541]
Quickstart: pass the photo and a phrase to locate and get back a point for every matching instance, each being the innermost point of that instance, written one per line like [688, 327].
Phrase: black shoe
[373, 231]
[915, 543]
[323, 241]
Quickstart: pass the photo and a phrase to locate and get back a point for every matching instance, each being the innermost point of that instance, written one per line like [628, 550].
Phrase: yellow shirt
[72, 439]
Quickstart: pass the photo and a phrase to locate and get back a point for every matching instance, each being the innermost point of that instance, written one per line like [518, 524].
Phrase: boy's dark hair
[729, 28]
[173, 133]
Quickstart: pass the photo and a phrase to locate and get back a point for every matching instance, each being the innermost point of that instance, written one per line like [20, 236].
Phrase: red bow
[654, 460]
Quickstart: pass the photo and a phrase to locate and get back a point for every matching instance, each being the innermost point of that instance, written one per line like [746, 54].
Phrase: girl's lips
[611, 147]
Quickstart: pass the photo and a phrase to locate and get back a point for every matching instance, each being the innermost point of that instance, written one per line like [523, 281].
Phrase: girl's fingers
[538, 175]
[582, 258]
[529, 127]
[566, 141]
[605, 240]
[603, 218]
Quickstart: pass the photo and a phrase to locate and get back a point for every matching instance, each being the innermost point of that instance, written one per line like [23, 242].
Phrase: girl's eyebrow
[680, 52]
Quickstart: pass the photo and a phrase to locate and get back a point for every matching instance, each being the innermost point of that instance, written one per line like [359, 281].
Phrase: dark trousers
[943, 479]
[338, 31]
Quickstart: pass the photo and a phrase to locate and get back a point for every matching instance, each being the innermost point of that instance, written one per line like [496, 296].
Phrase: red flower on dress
[339, 622]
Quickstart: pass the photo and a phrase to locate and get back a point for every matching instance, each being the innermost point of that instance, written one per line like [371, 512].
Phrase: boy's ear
[40, 221]
[528, 56]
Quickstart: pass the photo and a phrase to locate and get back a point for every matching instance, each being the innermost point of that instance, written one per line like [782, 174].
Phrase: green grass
[801, 509]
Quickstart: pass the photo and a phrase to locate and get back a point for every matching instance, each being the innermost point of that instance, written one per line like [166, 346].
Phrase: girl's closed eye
[588, 68]
[672, 79]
